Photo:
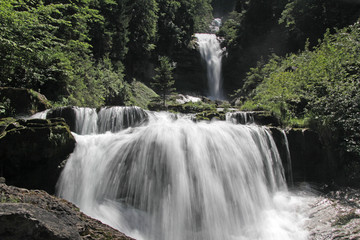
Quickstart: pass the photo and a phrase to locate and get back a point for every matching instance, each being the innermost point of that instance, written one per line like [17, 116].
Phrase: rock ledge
[34, 214]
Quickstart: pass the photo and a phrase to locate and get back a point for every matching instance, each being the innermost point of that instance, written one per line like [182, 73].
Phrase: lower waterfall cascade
[172, 178]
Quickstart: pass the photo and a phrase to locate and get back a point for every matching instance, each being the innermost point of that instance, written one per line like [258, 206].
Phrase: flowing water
[172, 178]
[93, 121]
[114, 119]
[240, 117]
[211, 53]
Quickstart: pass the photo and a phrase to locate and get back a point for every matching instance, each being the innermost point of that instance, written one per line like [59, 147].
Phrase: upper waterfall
[211, 52]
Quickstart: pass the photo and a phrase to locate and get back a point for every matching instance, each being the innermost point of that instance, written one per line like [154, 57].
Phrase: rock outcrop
[23, 101]
[312, 161]
[67, 113]
[32, 151]
[29, 214]
[22, 221]
[190, 72]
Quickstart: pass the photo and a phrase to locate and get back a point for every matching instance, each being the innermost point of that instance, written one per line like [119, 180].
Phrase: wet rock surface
[335, 215]
[34, 214]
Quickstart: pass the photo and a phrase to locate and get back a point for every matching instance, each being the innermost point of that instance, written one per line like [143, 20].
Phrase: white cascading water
[288, 159]
[240, 117]
[211, 53]
[172, 178]
[40, 115]
[114, 119]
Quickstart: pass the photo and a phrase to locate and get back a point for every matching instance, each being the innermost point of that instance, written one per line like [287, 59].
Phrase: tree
[142, 34]
[163, 81]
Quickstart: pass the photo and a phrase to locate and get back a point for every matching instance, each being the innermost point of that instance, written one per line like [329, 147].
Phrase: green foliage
[302, 17]
[9, 198]
[163, 81]
[201, 11]
[5, 108]
[46, 47]
[318, 88]
[259, 28]
[229, 30]
[142, 27]
[196, 107]
[80, 52]
[178, 20]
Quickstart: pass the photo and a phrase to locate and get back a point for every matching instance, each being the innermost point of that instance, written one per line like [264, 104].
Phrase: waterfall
[211, 53]
[86, 120]
[40, 115]
[115, 119]
[176, 179]
[92, 121]
[240, 117]
[288, 159]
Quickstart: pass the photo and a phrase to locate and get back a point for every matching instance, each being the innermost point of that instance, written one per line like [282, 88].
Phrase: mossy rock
[32, 151]
[266, 118]
[66, 113]
[209, 115]
[23, 101]
[141, 94]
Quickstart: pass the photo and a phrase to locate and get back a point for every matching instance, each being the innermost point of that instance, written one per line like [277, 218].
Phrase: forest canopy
[257, 29]
[87, 52]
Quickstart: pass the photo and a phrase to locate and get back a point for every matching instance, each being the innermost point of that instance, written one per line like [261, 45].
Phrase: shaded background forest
[87, 52]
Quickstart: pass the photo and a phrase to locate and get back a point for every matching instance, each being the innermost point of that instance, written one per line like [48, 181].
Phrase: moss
[345, 219]
[9, 199]
[39, 98]
[209, 115]
[6, 121]
[141, 94]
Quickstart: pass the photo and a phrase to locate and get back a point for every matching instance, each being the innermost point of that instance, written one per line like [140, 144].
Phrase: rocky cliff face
[190, 73]
[312, 159]
[34, 214]
[32, 151]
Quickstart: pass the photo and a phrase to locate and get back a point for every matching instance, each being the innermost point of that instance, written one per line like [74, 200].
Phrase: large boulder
[68, 113]
[22, 101]
[32, 151]
[25, 221]
[36, 215]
